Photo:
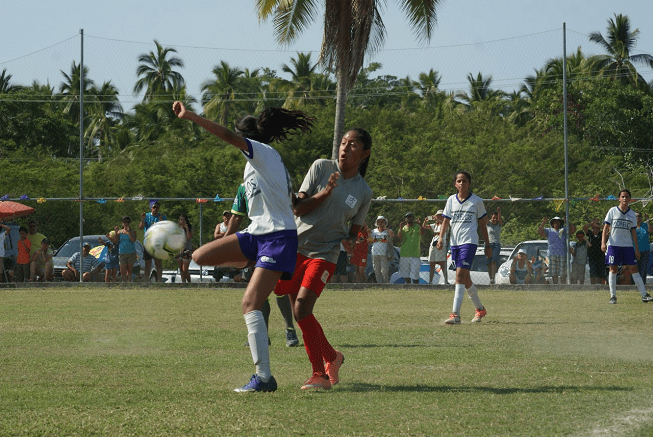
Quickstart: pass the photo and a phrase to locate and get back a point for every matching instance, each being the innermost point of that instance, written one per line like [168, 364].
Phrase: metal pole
[564, 102]
[201, 267]
[81, 158]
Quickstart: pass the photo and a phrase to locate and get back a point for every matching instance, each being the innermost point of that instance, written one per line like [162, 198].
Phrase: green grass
[163, 361]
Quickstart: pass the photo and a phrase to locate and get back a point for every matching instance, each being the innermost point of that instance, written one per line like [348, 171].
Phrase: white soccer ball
[164, 238]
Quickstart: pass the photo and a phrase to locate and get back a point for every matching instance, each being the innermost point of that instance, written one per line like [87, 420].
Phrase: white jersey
[268, 190]
[464, 217]
[380, 241]
[621, 223]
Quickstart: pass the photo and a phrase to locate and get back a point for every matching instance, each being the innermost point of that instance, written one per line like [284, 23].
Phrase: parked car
[63, 254]
[369, 268]
[538, 249]
[479, 270]
[197, 274]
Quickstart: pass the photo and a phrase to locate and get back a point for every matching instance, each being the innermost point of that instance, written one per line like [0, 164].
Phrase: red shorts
[310, 273]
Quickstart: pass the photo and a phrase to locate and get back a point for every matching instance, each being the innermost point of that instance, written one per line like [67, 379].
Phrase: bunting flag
[496, 198]
[217, 198]
[645, 202]
[101, 201]
[24, 197]
[442, 196]
[40, 200]
[558, 204]
[595, 198]
[514, 199]
[421, 198]
[122, 199]
[138, 197]
[539, 198]
[5, 197]
[201, 200]
[381, 197]
[611, 197]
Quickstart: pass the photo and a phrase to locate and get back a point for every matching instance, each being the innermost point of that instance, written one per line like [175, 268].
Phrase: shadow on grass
[362, 387]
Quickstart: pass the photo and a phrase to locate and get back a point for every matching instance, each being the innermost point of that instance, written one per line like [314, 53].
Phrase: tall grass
[164, 361]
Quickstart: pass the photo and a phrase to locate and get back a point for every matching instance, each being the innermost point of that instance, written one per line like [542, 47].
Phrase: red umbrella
[10, 210]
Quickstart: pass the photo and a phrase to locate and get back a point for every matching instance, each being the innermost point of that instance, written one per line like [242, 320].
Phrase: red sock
[316, 344]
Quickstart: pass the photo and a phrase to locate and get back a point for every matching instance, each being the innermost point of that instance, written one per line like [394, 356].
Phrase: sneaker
[479, 315]
[647, 298]
[453, 319]
[317, 382]
[291, 338]
[333, 367]
[491, 281]
[613, 299]
[255, 384]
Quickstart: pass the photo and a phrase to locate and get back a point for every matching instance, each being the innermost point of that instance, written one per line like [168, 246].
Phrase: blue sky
[474, 29]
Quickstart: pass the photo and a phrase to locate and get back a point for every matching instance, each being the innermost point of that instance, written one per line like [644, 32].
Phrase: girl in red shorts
[331, 207]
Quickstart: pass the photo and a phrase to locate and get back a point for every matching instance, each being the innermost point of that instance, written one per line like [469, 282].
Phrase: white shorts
[437, 255]
[409, 267]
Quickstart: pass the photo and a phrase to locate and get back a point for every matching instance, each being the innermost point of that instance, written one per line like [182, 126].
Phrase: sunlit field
[163, 360]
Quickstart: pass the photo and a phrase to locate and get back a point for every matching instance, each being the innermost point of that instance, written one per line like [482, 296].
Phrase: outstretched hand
[179, 109]
[333, 182]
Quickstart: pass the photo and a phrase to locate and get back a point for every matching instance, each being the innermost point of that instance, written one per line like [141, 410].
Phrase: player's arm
[633, 232]
[304, 204]
[234, 224]
[482, 223]
[443, 230]
[541, 228]
[218, 130]
[604, 237]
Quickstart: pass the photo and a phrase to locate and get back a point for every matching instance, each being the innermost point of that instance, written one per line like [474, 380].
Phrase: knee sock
[612, 283]
[640, 283]
[257, 335]
[317, 347]
[283, 302]
[473, 295]
[458, 298]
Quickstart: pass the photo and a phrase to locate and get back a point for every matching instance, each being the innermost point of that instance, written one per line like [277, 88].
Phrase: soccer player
[617, 243]
[331, 207]
[466, 214]
[271, 238]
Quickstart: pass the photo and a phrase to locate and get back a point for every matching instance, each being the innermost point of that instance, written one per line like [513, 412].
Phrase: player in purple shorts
[466, 214]
[271, 238]
[617, 243]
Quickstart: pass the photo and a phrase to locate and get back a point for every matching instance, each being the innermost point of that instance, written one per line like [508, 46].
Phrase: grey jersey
[321, 230]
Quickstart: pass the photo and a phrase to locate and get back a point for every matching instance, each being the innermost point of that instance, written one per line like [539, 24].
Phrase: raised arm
[541, 228]
[303, 204]
[218, 130]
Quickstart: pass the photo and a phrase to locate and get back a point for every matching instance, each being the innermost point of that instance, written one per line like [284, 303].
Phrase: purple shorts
[463, 256]
[275, 251]
[617, 255]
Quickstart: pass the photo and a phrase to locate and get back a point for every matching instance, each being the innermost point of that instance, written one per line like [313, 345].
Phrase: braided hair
[273, 124]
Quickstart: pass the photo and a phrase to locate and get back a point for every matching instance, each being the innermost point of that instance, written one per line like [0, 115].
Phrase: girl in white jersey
[331, 208]
[271, 239]
[466, 214]
[617, 243]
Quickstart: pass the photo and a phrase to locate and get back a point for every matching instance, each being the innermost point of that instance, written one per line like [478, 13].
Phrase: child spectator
[23, 260]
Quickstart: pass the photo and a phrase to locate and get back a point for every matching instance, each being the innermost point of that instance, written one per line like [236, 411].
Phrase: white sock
[612, 283]
[458, 298]
[473, 295]
[640, 284]
[257, 335]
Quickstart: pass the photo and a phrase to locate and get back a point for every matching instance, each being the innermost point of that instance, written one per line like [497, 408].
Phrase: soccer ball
[163, 238]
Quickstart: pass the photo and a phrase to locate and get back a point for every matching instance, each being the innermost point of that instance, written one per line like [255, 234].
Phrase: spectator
[71, 273]
[494, 233]
[359, 254]
[22, 273]
[184, 257]
[382, 250]
[42, 267]
[579, 253]
[521, 270]
[341, 274]
[644, 245]
[4, 231]
[557, 238]
[147, 220]
[221, 228]
[410, 233]
[595, 256]
[112, 257]
[126, 249]
[34, 237]
[437, 256]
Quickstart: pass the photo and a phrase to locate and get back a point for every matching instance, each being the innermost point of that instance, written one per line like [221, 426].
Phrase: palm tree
[428, 85]
[104, 113]
[5, 83]
[70, 90]
[219, 95]
[619, 44]
[156, 72]
[352, 28]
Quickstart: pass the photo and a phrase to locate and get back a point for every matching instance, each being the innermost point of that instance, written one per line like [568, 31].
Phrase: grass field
[163, 361]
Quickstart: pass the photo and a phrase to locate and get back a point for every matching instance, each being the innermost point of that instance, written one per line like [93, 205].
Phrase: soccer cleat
[479, 315]
[333, 368]
[291, 338]
[647, 298]
[453, 319]
[613, 299]
[317, 382]
[255, 384]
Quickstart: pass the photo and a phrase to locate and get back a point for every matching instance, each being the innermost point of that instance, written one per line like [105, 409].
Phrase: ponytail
[273, 124]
